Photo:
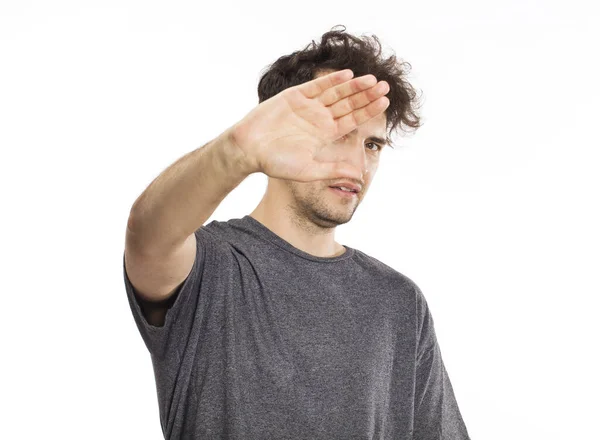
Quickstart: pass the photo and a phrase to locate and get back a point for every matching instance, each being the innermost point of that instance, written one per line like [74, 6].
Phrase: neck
[300, 232]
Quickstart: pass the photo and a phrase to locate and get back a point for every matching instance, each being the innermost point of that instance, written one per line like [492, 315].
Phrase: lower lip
[342, 192]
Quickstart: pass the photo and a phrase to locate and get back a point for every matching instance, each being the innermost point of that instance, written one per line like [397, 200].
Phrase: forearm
[186, 194]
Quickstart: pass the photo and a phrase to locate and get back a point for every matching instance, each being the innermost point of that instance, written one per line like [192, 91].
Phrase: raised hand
[283, 135]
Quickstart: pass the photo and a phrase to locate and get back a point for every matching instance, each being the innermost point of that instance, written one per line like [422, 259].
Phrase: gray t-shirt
[265, 341]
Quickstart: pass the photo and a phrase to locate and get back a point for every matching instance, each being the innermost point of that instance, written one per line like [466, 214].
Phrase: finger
[349, 122]
[315, 87]
[359, 100]
[349, 88]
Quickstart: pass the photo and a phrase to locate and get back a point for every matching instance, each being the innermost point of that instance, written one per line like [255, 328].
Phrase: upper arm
[436, 411]
[157, 277]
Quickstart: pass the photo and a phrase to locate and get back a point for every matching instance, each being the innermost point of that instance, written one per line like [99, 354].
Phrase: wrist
[235, 156]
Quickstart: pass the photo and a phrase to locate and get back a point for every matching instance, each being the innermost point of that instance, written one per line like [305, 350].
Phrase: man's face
[316, 200]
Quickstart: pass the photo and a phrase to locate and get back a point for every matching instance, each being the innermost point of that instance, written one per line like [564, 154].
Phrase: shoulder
[386, 273]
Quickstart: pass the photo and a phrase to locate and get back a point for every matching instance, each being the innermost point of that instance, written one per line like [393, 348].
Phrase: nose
[353, 152]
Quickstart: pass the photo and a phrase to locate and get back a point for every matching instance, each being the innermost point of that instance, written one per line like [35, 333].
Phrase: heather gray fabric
[265, 341]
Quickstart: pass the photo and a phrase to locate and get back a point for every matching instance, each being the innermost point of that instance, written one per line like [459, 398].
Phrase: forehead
[373, 127]
[373, 130]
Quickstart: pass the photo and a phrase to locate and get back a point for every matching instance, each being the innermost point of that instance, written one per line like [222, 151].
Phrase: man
[264, 327]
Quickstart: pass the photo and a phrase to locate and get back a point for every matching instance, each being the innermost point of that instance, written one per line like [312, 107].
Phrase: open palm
[285, 133]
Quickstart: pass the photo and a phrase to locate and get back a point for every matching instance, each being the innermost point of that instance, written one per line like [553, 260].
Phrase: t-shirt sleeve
[183, 307]
[437, 416]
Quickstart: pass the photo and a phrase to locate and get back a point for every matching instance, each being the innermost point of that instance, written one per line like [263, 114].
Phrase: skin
[305, 214]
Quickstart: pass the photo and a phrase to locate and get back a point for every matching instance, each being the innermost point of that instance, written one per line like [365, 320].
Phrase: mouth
[343, 193]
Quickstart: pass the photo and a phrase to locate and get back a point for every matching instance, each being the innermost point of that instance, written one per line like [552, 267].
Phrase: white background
[491, 207]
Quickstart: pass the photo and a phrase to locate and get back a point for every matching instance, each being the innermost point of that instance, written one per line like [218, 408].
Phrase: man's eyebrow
[377, 139]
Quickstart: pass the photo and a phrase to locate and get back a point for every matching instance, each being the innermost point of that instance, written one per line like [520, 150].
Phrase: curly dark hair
[363, 56]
